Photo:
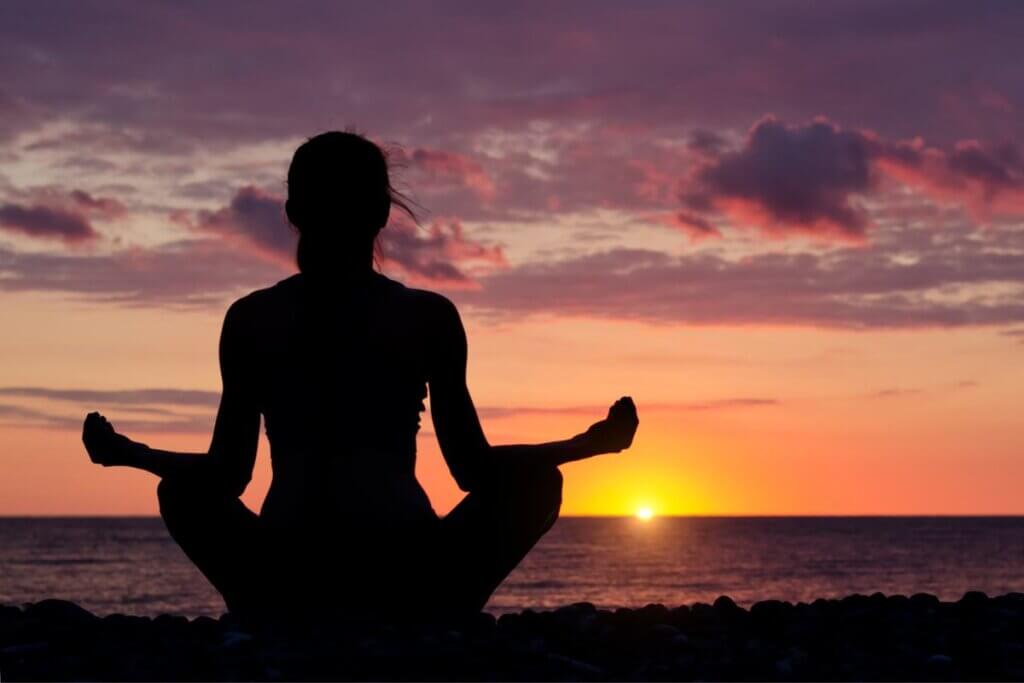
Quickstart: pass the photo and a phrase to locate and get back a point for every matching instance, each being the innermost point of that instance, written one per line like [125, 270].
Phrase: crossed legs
[452, 570]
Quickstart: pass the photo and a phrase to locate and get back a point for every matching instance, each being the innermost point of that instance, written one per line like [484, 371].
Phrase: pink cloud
[106, 208]
[46, 222]
[254, 219]
[440, 254]
[943, 283]
[987, 180]
[443, 166]
[813, 178]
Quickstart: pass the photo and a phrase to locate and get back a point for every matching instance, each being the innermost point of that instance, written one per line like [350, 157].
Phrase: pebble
[859, 637]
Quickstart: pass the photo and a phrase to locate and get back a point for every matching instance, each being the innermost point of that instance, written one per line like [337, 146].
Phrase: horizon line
[940, 515]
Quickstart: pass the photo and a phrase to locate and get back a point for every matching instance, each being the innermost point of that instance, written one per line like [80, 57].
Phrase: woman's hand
[105, 446]
[615, 432]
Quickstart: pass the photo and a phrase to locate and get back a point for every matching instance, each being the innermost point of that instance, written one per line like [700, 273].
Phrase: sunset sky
[793, 232]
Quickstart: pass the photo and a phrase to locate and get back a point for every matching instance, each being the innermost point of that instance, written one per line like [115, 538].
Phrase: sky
[792, 231]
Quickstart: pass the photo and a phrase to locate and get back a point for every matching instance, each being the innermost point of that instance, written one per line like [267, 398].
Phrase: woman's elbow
[229, 480]
[236, 485]
[475, 472]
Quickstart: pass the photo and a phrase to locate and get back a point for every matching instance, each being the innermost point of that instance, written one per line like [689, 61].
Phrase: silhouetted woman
[337, 359]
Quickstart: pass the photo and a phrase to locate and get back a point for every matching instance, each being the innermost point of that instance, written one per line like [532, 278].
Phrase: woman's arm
[470, 457]
[232, 454]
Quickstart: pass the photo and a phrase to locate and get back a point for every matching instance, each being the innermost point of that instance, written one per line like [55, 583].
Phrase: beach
[859, 637]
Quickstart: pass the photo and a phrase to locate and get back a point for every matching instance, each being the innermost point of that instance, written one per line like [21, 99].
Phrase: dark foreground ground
[857, 638]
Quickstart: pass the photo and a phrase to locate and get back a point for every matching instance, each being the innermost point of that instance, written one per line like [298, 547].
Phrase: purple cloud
[812, 178]
[184, 274]
[255, 218]
[796, 178]
[46, 222]
[438, 254]
[944, 285]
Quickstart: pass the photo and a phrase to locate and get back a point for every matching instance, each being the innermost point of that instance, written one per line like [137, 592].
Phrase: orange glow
[832, 443]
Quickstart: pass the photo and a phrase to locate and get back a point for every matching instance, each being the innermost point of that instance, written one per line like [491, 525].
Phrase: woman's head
[339, 199]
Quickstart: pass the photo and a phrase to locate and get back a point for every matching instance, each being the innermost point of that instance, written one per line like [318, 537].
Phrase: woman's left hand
[105, 446]
[614, 433]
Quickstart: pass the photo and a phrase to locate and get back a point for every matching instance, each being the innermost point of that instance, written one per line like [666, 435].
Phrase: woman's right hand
[105, 446]
[614, 433]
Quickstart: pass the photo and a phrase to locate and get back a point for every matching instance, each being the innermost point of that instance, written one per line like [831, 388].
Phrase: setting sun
[645, 514]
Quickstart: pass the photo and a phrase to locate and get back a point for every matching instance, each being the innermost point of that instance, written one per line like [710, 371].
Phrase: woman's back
[337, 360]
[339, 374]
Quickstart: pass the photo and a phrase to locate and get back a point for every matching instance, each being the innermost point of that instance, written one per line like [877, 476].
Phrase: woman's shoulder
[260, 299]
[432, 304]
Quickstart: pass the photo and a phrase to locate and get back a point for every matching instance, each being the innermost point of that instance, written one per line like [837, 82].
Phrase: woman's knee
[549, 485]
[541, 492]
[177, 495]
[542, 485]
[172, 495]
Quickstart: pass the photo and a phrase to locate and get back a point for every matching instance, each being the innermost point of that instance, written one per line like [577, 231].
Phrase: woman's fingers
[96, 433]
[624, 409]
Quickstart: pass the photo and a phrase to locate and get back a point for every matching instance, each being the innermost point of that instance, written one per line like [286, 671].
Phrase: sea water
[130, 565]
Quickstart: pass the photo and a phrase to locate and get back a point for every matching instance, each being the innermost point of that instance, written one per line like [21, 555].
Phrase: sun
[645, 514]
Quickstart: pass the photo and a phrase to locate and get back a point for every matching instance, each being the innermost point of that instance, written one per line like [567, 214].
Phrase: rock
[125, 622]
[577, 608]
[859, 637]
[576, 667]
[233, 639]
[24, 649]
[679, 641]
[653, 614]
[924, 599]
[770, 612]
[60, 612]
[168, 622]
[724, 603]
[482, 623]
[973, 598]
[939, 663]
[899, 601]
[663, 631]
[509, 621]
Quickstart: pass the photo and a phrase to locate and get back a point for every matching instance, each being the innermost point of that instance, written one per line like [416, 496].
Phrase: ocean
[131, 566]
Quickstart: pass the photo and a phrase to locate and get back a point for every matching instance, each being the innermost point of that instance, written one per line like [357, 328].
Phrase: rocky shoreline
[859, 637]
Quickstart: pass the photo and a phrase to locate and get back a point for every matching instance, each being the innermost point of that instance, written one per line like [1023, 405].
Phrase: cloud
[99, 207]
[1017, 334]
[950, 281]
[175, 409]
[184, 274]
[54, 214]
[901, 392]
[813, 178]
[438, 254]
[19, 416]
[987, 179]
[254, 219]
[122, 397]
[789, 178]
[122, 84]
[441, 165]
[687, 222]
[171, 405]
[599, 411]
[46, 222]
